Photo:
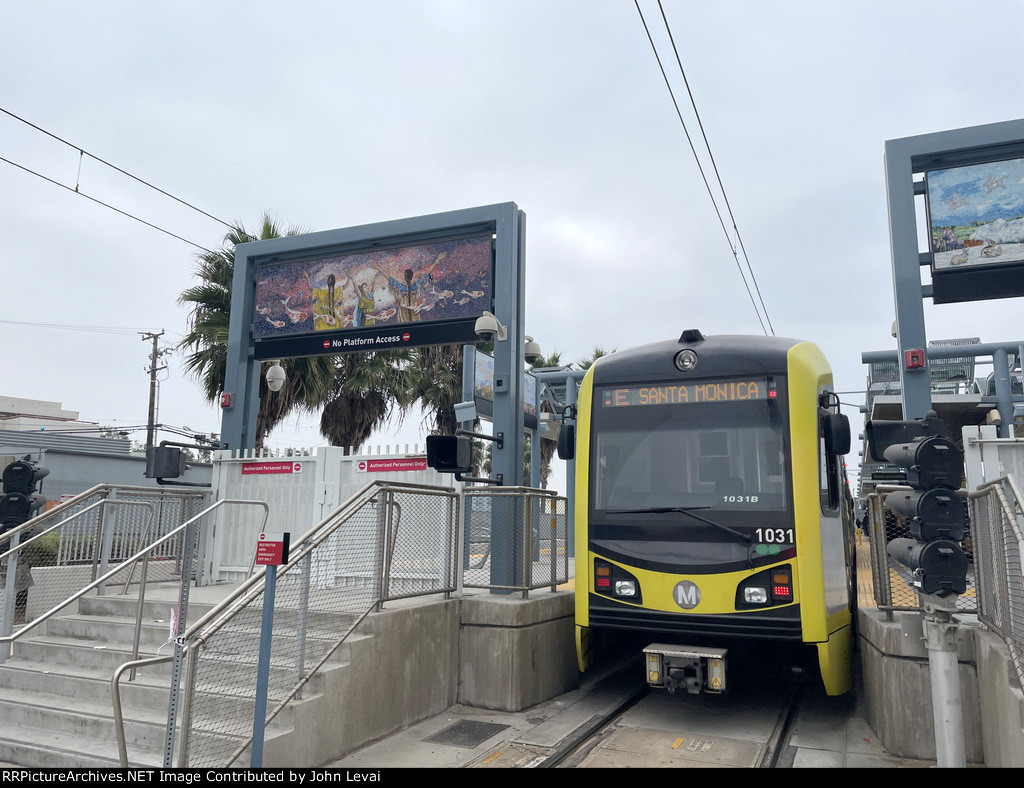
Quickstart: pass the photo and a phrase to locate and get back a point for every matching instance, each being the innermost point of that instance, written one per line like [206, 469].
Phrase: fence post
[188, 545]
[528, 547]
[7, 622]
[553, 542]
[305, 567]
[380, 502]
[259, 720]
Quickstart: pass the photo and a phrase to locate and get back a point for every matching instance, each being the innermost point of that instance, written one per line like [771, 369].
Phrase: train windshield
[719, 452]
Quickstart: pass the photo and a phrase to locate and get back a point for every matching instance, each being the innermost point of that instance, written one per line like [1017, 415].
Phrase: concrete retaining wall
[425, 656]
[515, 654]
[1002, 703]
[897, 690]
[404, 673]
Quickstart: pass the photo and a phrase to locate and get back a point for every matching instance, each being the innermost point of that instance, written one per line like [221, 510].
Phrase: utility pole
[154, 357]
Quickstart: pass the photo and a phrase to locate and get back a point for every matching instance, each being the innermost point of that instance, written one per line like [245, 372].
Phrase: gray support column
[468, 375]
[1004, 397]
[906, 276]
[241, 379]
[507, 538]
[940, 634]
[508, 355]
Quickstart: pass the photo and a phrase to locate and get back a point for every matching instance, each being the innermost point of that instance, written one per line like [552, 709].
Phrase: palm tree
[437, 385]
[364, 393]
[588, 362]
[308, 380]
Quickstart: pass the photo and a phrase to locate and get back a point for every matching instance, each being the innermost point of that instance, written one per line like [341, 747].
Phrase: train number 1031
[774, 535]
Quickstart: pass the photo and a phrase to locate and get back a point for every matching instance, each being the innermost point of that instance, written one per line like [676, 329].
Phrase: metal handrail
[77, 500]
[1001, 623]
[9, 639]
[203, 629]
[303, 681]
[28, 526]
[136, 663]
[243, 593]
[246, 591]
[58, 509]
[534, 494]
[115, 697]
[386, 559]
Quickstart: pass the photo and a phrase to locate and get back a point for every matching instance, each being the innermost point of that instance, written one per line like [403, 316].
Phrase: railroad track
[650, 728]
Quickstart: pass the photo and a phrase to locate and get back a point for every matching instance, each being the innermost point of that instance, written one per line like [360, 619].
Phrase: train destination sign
[687, 393]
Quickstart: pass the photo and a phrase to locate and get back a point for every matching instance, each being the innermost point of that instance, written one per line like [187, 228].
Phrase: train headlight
[770, 587]
[625, 588]
[685, 360]
[612, 581]
[755, 595]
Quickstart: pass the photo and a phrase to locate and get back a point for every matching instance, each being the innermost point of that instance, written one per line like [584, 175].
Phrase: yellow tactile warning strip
[865, 586]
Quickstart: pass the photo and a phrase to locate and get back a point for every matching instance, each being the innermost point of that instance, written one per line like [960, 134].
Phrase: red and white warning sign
[287, 466]
[272, 549]
[398, 465]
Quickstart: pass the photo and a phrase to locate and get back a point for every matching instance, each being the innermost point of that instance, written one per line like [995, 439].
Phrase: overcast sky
[335, 114]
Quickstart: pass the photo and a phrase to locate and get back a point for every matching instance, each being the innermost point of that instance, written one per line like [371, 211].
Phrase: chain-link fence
[999, 538]
[516, 539]
[47, 561]
[388, 542]
[893, 583]
[117, 532]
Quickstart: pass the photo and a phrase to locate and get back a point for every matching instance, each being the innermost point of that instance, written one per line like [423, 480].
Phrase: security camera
[487, 328]
[531, 351]
[275, 377]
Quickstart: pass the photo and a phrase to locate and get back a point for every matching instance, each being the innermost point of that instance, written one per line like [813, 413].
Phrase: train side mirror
[836, 429]
[567, 442]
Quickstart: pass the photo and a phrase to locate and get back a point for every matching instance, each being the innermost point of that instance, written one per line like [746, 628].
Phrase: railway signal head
[20, 500]
[22, 476]
[165, 462]
[450, 453]
[935, 512]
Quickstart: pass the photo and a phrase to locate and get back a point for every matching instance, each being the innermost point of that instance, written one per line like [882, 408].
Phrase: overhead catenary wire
[105, 205]
[707, 185]
[82, 153]
[714, 166]
[116, 330]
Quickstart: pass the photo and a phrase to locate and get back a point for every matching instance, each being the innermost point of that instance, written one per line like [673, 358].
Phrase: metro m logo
[686, 594]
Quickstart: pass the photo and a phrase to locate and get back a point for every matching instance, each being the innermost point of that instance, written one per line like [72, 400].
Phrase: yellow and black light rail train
[711, 506]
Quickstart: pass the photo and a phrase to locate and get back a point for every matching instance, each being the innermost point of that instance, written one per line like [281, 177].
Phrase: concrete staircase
[55, 697]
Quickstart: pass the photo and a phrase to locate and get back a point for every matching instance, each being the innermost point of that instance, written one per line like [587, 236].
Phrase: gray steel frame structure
[504, 220]
[904, 158]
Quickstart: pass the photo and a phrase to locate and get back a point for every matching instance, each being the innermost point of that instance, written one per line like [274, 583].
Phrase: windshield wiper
[687, 510]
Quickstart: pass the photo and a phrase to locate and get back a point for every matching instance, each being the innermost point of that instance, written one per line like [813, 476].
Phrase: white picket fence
[300, 490]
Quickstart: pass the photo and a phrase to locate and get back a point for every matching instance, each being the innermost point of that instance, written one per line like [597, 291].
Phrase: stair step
[55, 696]
[144, 727]
[87, 684]
[32, 747]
